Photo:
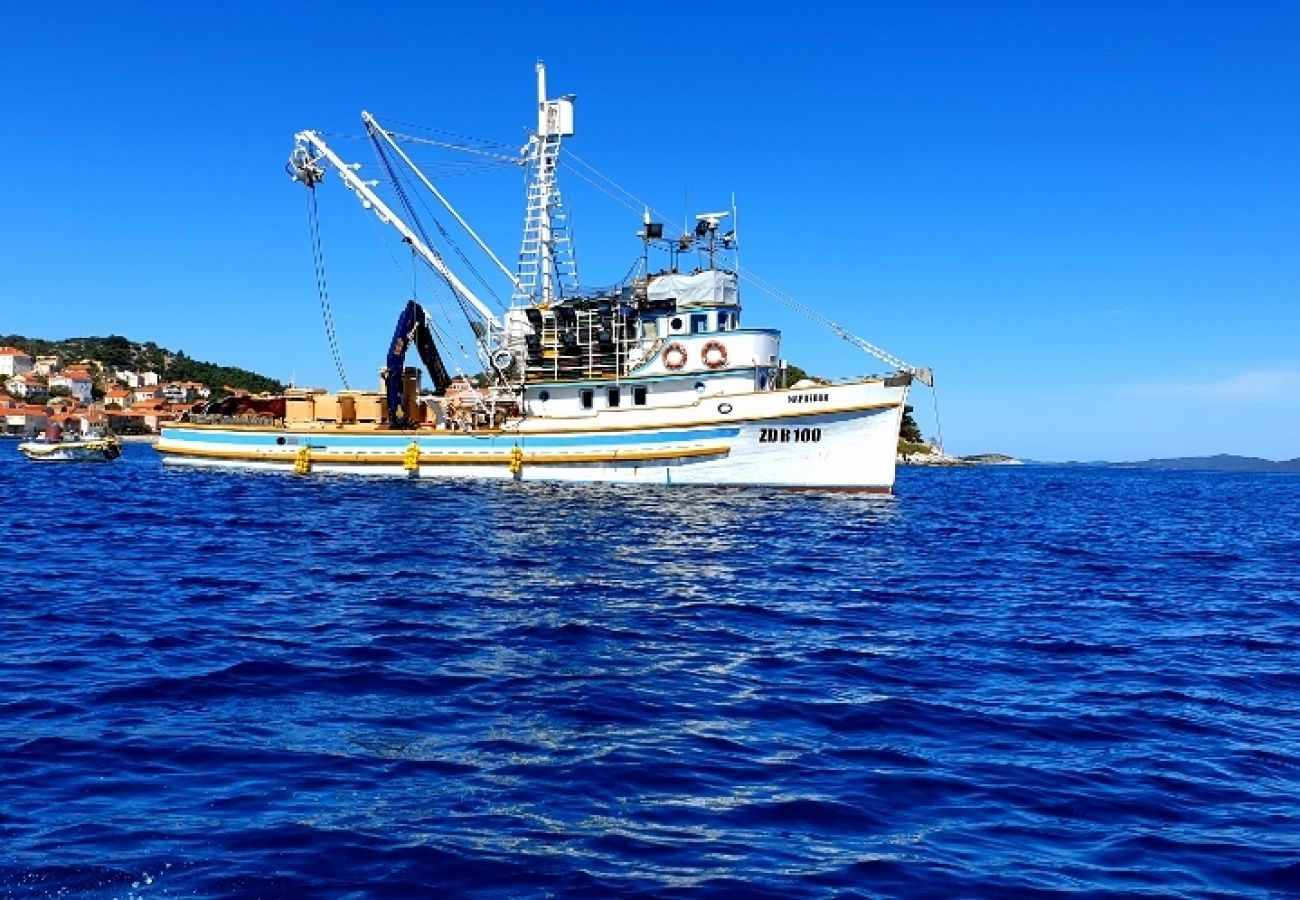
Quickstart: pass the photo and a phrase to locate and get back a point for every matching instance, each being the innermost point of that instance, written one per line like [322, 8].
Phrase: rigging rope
[467, 310]
[761, 284]
[934, 395]
[639, 203]
[498, 159]
[318, 257]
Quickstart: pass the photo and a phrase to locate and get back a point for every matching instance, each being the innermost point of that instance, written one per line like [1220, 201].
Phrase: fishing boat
[653, 380]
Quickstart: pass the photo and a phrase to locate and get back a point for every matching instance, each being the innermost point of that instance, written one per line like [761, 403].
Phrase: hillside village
[38, 390]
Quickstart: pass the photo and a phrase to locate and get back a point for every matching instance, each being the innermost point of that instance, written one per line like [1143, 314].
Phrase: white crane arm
[304, 166]
[924, 375]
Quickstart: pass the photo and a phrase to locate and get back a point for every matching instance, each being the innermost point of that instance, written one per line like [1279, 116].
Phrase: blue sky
[1085, 217]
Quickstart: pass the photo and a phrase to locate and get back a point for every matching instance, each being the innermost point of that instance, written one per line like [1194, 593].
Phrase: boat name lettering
[809, 398]
[789, 435]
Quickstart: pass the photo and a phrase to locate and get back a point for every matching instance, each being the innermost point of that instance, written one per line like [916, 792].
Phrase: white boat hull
[71, 451]
[833, 436]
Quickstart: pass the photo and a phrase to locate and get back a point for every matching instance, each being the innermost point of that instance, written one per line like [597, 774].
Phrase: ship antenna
[735, 236]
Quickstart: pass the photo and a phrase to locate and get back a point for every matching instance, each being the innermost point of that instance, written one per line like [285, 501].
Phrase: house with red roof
[77, 381]
[29, 386]
[120, 396]
[23, 419]
[145, 393]
[14, 361]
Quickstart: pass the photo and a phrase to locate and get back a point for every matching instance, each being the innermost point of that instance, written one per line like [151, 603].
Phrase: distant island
[1222, 462]
[916, 451]
[992, 459]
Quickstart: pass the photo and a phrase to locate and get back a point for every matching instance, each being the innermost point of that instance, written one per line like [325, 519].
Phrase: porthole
[675, 324]
[724, 408]
[280, 440]
[699, 387]
[544, 396]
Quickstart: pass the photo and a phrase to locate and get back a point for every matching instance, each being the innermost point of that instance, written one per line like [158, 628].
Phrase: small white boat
[84, 449]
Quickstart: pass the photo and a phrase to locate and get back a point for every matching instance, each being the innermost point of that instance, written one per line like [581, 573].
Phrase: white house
[45, 365]
[24, 420]
[27, 386]
[121, 396]
[144, 393]
[79, 386]
[14, 361]
[184, 391]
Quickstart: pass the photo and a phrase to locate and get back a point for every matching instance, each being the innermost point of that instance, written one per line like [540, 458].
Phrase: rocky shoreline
[930, 455]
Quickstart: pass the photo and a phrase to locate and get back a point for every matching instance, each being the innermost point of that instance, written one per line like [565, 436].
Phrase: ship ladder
[516, 461]
[411, 460]
[302, 460]
[550, 336]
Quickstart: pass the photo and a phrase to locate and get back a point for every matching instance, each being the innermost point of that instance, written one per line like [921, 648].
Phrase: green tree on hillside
[117, 352]
[794, 374]
[909, 431]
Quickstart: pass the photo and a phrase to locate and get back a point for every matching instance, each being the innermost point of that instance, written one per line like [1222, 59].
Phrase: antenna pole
[735, 235]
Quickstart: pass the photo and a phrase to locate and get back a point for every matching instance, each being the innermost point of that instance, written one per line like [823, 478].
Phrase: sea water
[1000, 681]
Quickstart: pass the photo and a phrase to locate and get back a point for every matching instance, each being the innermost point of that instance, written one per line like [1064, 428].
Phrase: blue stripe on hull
[437, 441]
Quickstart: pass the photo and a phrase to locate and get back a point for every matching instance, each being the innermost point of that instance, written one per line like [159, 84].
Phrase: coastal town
[36, 392]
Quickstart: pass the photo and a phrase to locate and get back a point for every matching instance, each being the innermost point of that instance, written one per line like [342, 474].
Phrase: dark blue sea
[1005, 682]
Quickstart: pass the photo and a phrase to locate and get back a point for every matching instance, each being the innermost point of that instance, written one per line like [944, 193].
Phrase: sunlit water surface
[1001, 681]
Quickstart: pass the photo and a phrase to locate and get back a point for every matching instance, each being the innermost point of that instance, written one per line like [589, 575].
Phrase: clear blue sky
[1085, 217]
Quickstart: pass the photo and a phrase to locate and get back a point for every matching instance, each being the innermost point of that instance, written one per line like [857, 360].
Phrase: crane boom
[304, 166]
[924, 375]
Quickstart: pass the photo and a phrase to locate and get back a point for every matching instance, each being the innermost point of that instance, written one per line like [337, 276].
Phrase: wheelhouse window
[724, 320]
[587, 398]
[638, 396]
[699, 323]
[611, 397]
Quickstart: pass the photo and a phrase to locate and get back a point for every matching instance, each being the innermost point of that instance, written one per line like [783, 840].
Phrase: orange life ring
[674, 356]
[714, 355]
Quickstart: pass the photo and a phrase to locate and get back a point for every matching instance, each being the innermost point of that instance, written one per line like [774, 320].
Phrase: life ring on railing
[714, 355]
[674, 356]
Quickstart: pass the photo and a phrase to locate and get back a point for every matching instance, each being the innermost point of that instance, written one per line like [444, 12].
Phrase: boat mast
[545, 256]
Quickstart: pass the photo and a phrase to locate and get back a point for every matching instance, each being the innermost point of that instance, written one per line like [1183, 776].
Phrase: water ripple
[1006, 682]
